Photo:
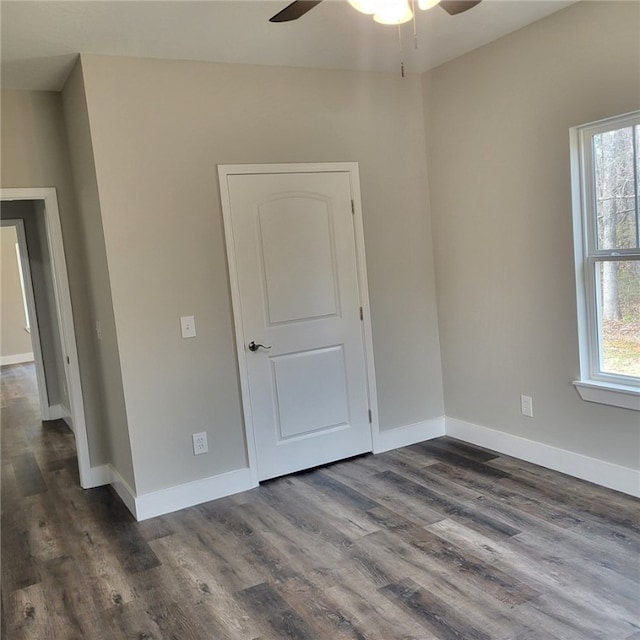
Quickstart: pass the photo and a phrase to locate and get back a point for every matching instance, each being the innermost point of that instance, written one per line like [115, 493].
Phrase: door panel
[298, 259]
[297, 277]
[303, 405]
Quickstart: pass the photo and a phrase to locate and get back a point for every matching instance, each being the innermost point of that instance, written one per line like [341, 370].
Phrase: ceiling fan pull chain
[400, 47]
[415, 29]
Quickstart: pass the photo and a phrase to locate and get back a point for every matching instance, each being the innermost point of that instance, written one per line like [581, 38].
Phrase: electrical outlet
[200, 443]
[526, 405]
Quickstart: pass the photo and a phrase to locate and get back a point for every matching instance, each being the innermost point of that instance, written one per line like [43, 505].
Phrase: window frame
[595, 385]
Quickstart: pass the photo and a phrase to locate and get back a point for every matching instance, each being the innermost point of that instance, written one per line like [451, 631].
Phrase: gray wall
[158, 130]
[497, 125]
[34, 153]
[14, 339]
[106, 362]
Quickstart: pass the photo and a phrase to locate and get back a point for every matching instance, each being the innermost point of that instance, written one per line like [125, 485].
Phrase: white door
[292, 252]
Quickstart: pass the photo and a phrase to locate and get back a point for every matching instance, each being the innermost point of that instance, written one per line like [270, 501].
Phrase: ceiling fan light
[427, 4]
[393, 12]
[365, 6]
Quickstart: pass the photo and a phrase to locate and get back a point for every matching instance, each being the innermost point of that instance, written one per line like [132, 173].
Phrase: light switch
[188, 326]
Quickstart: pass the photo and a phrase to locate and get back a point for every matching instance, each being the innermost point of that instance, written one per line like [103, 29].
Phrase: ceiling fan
[384, 11]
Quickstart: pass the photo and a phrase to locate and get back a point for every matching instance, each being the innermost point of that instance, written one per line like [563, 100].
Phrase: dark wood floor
[438, 540]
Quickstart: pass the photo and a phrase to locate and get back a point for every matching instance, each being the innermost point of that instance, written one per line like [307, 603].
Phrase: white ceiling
[40, 39]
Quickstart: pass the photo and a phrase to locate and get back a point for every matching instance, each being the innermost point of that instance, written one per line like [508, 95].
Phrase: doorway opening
[29, 324]
[34, 215]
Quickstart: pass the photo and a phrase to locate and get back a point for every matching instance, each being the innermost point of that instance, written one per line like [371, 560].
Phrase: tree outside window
[606, 174]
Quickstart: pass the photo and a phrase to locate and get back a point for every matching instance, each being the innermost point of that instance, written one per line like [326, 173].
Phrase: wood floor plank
[28, 612]
[596, 543]
[28, 475]
[173, 615]
[435, 541]
[575, 621]
[20, 568]
[386, 494]
[204, 599]
[475, 518]
[553, 574]
[443, 620]
[71, 613]
[120, 529]
[449, 445]
[353, 522]
[586, 500]
[280, 620]
[300, 549]
[197, 581]
[502, 491]
[218, 549]
[464, 462]
[381, 618]
[78, 515]
[131, 620]
[325, 615]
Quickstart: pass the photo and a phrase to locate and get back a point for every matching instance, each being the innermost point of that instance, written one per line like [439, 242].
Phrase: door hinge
[361, 314]
[68, 361]
[370, 417]
[353, 207]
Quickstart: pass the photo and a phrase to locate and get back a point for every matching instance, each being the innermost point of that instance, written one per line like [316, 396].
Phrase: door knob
[254, 346]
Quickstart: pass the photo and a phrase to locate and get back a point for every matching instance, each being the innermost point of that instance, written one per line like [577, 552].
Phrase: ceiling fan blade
[295, 10]
[454, 7]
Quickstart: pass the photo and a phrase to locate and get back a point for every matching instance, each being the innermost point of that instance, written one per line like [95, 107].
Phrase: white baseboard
[101, 476]
[57, 412]
[410, 434]
[186, 495]
[67, 418]
[158, 503]
[606, 474]
[124, 491]
[17, 358]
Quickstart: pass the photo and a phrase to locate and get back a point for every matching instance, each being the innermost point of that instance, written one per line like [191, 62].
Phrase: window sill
[616, 395]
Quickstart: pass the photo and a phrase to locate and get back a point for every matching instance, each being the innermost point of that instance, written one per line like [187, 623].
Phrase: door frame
[34, 326]
[226, 170]
[64, 312]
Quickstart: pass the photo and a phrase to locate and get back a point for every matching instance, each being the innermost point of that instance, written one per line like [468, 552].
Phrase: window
[606, 181]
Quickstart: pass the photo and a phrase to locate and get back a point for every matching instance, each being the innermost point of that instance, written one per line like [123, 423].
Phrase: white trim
[611, 394]
[25, 308]
[224, 171]
[158, 503]
[225, 197]
[57, 412]
[189, 494]
[186, 495]
[603, 473]
[409, 434]
[124, 491]
[101, 475]
[17, 358]
[65, 317]
[363, 287]
[66, 416]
